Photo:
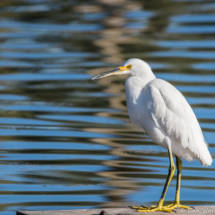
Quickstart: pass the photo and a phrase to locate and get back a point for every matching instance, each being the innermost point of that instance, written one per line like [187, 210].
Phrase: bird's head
[133, 66]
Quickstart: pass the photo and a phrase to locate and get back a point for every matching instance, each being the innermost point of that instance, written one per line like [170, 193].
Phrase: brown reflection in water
[114, 33]
[111, 37]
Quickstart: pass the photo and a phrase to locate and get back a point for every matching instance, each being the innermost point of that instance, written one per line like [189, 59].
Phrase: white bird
[158, 108]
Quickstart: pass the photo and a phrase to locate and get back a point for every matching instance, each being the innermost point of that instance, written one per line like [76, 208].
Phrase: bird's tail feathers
[205, 156]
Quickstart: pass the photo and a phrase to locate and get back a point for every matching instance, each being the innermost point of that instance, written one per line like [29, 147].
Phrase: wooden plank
[200, 210]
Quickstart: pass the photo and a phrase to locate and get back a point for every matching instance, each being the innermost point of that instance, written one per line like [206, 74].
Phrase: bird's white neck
[145, 77]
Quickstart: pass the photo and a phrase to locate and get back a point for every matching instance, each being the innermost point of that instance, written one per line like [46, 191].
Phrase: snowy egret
[159, 109]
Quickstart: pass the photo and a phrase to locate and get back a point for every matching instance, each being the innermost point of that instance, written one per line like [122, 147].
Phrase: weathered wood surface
[200, 210]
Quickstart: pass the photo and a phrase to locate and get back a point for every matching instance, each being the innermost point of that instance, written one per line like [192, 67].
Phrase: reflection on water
[66, 141]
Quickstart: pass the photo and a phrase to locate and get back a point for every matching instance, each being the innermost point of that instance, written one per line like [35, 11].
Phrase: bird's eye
[129, 66]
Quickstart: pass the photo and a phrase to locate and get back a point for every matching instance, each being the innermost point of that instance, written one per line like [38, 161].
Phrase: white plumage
[162, 111]
[158, 108]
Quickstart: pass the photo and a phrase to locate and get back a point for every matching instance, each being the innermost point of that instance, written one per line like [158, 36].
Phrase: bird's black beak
[105, 74]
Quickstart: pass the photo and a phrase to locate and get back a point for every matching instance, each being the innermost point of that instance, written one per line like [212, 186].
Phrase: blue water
[66, 141]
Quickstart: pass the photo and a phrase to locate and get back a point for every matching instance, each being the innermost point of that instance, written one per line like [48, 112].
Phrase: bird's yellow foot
[151, 209]
[175, 205]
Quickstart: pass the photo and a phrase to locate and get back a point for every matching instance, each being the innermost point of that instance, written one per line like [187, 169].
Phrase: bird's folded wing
[173, 115]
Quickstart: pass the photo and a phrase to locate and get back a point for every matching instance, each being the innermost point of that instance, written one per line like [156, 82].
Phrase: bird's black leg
[178, 185]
